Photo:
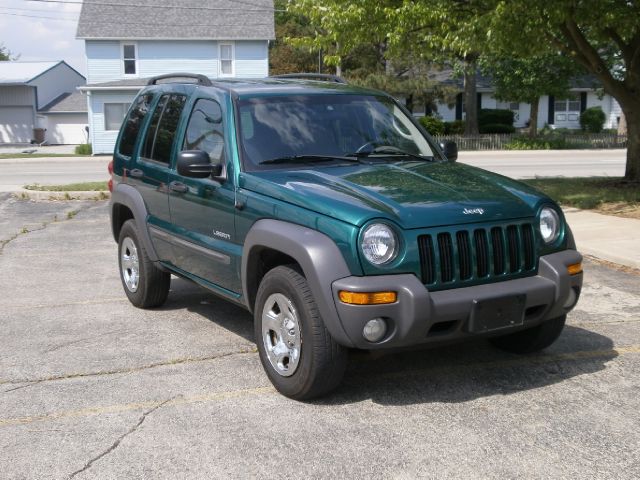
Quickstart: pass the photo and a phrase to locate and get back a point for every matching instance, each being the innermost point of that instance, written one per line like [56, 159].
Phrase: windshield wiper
[307, 159]
[390, 150]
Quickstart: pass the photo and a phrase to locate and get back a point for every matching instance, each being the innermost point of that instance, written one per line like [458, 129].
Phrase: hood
[412, 194]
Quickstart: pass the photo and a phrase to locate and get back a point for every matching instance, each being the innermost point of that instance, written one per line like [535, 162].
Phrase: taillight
[110, 170]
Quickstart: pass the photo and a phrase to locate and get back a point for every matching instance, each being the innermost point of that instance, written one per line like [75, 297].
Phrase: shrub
[84, 149]
[433, 125]
[454, 128]
[488, 116]
[538, 143]
[592, 120]
[497, 128]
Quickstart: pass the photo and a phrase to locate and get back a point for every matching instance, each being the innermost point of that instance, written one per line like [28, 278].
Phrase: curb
[41, 196]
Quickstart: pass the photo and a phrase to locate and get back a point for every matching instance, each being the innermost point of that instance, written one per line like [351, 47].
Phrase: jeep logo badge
[473, 211]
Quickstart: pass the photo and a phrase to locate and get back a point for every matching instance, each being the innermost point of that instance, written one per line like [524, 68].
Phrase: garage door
[66, 128]
[16, 124]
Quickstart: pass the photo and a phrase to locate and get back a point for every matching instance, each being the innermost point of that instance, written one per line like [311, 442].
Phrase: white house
[27, 87]
[127, 44]
[65, 120]
[585, 93]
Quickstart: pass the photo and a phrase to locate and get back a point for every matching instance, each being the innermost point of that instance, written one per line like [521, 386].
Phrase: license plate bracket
[493, 314]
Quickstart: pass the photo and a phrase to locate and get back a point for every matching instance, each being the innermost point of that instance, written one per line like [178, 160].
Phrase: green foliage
[488, 116]
[454, 128]
[592, 120]
[84, 149]
[433, 125]
[538, 143]
[497, 128]
[285, 57]
[527, 79]
[6, 55]
[71, 187]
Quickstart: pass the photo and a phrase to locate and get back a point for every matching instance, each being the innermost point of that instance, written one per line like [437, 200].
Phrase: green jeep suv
[332, 216]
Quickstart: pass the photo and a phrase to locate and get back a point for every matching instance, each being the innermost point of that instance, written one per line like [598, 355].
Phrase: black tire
[322, 362]
[152, 283]
[532, 339]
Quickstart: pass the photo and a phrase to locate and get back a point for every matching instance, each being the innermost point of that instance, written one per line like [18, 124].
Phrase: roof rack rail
[312, 76]
[201, 79]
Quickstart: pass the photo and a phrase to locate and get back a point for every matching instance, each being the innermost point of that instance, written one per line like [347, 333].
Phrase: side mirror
[196, 164]
[450, 150]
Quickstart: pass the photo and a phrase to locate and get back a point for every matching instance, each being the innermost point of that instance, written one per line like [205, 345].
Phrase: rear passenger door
[202, 209]
[151, 172]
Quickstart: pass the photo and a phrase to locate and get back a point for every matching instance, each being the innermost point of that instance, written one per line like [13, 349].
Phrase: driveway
[91, 387]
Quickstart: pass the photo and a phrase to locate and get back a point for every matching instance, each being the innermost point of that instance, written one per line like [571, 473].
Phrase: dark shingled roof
[74, 102]
[177, 19]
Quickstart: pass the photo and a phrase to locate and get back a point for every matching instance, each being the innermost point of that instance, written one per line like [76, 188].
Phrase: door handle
[178, 187]
[136, 173]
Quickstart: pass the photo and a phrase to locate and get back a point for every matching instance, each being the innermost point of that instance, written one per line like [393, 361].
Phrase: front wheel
[532, 339]
[297, 352]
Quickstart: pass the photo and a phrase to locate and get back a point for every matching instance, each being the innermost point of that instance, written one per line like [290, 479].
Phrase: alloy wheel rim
[281, 334]
[130, 265]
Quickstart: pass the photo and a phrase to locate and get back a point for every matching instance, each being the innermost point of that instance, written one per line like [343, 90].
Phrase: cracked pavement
[91, 387]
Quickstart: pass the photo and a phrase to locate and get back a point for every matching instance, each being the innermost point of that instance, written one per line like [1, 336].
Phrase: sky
[51, 38]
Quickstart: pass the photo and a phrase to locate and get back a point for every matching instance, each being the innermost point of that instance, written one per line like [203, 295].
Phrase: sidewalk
[610, 238]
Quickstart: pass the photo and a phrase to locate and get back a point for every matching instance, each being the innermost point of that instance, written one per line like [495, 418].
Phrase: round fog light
[571, 299]
[374, 330]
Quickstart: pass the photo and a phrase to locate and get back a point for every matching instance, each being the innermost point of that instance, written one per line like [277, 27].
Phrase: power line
[39, 16]
[178, 7]
[37, 10]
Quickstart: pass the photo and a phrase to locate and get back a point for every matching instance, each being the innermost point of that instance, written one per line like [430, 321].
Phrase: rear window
[132, 124]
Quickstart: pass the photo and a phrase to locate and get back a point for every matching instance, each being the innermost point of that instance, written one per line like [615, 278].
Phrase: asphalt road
[14, 174]
[91, 387]
[550, 163]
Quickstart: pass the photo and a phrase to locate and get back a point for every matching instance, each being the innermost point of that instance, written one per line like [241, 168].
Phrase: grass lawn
[71, 187]
[610, 195]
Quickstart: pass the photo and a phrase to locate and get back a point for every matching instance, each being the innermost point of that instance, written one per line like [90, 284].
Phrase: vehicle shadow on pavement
[187, 295]
[464, 372]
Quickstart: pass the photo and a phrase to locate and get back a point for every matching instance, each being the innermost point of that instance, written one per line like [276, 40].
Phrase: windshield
[306, 126]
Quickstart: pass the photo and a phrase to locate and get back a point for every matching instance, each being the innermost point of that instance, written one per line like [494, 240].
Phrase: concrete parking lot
[91, 387]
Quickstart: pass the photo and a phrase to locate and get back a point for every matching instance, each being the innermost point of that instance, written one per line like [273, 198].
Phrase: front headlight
[379, 244]
[549, 225]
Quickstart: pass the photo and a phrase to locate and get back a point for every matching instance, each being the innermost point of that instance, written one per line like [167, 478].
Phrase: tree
[603, 36]
[527, 79]
[441, 31]
[287, 58]
[5, 54]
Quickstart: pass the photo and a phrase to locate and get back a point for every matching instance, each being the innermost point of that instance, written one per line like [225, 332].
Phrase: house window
[226, 59]
[129, 59]
[114, 114]
[568, 105]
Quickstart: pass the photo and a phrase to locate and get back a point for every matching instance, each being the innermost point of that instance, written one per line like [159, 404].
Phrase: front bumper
[420, 316]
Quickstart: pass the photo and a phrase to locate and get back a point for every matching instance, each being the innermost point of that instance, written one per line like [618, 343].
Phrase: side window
[132, 124]
[129, 59]
[158, 141]
[205, 130]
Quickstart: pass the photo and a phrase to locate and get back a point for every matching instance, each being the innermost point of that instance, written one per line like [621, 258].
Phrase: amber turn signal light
[369, 298]
[575, 269]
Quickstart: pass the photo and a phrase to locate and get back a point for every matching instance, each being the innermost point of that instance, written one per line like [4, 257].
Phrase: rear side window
[161, 133]
[205, 130]
[132, 124]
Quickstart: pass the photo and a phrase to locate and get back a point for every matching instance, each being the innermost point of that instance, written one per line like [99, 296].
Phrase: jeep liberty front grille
[472, 255]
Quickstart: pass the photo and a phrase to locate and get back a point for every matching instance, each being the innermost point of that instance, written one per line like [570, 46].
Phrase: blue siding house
[127, 44]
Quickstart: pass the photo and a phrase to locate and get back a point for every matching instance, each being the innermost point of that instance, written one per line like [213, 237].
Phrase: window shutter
[583, 101]
[552, 110]
[479, 102]
[459, 106]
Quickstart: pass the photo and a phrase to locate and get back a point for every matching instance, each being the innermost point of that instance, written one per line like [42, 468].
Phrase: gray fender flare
[130, 197]
[319, 257]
